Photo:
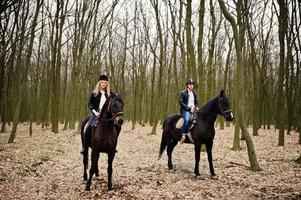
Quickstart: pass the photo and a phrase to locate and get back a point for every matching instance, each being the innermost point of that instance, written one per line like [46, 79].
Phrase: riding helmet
[190, 81]
[103, 78]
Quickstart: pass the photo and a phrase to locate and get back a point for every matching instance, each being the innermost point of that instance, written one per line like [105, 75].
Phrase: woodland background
[53, 51]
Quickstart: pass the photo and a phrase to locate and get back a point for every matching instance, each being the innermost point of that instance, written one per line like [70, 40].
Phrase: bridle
[224, 112]
[114, 115]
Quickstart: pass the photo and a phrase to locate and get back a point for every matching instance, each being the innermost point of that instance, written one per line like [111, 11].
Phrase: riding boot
[183, 138]
[87, 139]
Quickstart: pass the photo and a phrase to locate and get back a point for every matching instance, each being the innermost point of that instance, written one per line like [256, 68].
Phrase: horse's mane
[207, 108]
[118, 97]
[112, 97]
[105, 108]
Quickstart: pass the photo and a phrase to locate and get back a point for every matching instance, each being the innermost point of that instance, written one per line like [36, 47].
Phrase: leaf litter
[49, 166]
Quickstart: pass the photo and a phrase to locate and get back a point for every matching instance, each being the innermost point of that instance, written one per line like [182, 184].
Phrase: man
[189, 104]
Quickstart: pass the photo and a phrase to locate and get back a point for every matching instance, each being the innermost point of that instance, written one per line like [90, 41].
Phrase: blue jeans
[92, 120]
[186, 116]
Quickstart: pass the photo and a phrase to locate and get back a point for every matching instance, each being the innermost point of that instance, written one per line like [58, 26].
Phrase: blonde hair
[97, 88]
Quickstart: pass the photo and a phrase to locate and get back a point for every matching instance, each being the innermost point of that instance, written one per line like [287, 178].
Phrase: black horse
[202, 133]
[103, 138]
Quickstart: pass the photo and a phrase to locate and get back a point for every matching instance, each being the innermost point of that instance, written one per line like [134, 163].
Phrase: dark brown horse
[103, 138]
[202, 133]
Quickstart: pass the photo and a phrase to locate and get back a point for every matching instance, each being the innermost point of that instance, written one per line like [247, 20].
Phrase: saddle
[191, 123]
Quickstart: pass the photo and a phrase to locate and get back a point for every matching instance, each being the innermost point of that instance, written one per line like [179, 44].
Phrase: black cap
[190, 81]
[103, 78]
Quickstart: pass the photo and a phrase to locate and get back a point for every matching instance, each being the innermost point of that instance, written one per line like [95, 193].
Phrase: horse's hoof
[200, 177]
[215, 177]
[110, 188]
[87, 189]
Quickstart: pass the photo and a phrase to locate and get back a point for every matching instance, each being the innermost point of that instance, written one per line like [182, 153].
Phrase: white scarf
[102, 100]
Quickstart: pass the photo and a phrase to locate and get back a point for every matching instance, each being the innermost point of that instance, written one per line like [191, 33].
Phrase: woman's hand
[95, 113]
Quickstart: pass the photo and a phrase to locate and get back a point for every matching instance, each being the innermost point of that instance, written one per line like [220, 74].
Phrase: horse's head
[117, 107]
[224, 106]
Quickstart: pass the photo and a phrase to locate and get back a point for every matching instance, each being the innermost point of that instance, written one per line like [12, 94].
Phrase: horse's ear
[118, 94]
[222, 93]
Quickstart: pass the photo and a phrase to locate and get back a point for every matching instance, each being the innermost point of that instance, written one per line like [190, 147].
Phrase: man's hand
[192, 109]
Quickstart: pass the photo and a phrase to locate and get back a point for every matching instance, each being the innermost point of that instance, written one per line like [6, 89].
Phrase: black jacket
[184, 100]
[95, 100]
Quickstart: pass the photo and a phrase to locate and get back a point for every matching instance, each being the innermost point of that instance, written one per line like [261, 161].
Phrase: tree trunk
[210, 65]
[201, 67]
[238, 32]
[280, 97]
[21, 77]
[251, 150]
[189, 44]
[159, 96]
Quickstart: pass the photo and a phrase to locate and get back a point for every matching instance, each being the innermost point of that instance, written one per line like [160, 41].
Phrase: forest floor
[49, 166]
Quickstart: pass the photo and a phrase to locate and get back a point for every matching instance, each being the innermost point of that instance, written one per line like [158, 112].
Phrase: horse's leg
[170, 146]
[209, 155]
[85, 151]
[94, 160]
[96, 168]
[197, 154]
[85, 162]
[110, 169]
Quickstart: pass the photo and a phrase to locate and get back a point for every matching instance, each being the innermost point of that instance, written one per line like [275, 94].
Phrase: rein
[223, 112]
[106, 120]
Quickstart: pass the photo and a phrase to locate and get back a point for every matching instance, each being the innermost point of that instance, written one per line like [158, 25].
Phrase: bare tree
[238, 33]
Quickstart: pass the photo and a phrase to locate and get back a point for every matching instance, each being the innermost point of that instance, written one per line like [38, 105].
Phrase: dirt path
[49, 166]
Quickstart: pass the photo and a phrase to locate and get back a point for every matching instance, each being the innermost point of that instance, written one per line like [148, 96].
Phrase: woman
[96, 102]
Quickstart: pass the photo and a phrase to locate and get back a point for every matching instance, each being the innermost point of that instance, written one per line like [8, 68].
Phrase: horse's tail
[163, 140]
[83, 124]
[162, 145]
